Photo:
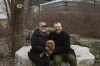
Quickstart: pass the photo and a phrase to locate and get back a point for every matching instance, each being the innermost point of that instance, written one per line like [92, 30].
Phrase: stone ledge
[84, 57]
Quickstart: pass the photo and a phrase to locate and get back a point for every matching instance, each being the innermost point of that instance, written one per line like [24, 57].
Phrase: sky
[2, 14]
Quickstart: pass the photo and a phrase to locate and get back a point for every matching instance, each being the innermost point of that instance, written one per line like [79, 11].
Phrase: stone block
[84, 57]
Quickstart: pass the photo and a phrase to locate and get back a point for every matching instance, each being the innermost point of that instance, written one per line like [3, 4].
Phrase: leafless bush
[85, 22]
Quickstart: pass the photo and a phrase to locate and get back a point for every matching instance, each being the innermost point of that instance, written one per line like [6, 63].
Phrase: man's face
[57, 27]
[42, 28]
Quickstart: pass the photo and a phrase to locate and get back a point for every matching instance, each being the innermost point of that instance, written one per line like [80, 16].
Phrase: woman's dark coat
[38, 41]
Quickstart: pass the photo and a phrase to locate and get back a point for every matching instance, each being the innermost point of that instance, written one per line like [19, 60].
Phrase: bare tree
[14, 10]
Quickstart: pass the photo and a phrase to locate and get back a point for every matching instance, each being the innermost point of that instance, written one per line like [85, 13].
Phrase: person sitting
[63, 51]
[38, 40]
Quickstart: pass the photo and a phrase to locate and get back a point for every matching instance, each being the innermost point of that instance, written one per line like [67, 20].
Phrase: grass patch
[3, 22]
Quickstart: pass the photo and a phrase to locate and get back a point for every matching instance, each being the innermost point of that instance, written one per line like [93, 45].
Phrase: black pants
[39, 61]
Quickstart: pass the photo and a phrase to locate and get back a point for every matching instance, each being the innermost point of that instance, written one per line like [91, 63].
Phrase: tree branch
[7, 9]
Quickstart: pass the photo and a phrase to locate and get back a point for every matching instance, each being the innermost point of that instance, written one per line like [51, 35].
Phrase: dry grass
[8, 61]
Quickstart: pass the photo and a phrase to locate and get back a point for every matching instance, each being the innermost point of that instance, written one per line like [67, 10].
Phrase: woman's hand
[50, 52]
[41, 54]
[47, 49]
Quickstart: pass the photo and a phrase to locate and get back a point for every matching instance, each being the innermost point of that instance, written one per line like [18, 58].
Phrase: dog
[50, 47]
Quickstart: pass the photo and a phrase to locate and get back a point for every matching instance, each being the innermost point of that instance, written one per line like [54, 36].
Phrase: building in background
[67, 5]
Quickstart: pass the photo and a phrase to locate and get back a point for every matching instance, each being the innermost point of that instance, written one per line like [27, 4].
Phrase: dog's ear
[53, 46]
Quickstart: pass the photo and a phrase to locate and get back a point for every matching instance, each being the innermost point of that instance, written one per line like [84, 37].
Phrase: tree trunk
[17, 27]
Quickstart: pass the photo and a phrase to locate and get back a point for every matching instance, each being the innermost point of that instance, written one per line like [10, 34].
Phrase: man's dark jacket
[38, 41]
[62, 41]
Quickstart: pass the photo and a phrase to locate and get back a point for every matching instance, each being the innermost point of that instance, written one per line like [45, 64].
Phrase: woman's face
[42, 28]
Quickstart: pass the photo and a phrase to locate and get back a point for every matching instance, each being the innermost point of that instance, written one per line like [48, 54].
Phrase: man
[62, 52]
[38, 41]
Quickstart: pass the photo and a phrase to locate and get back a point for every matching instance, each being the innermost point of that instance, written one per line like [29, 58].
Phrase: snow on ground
[83, 53]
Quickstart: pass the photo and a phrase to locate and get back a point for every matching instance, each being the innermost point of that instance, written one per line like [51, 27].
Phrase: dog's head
[50, 44]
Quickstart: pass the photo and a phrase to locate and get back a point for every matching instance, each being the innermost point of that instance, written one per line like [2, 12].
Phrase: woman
[38, 41]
